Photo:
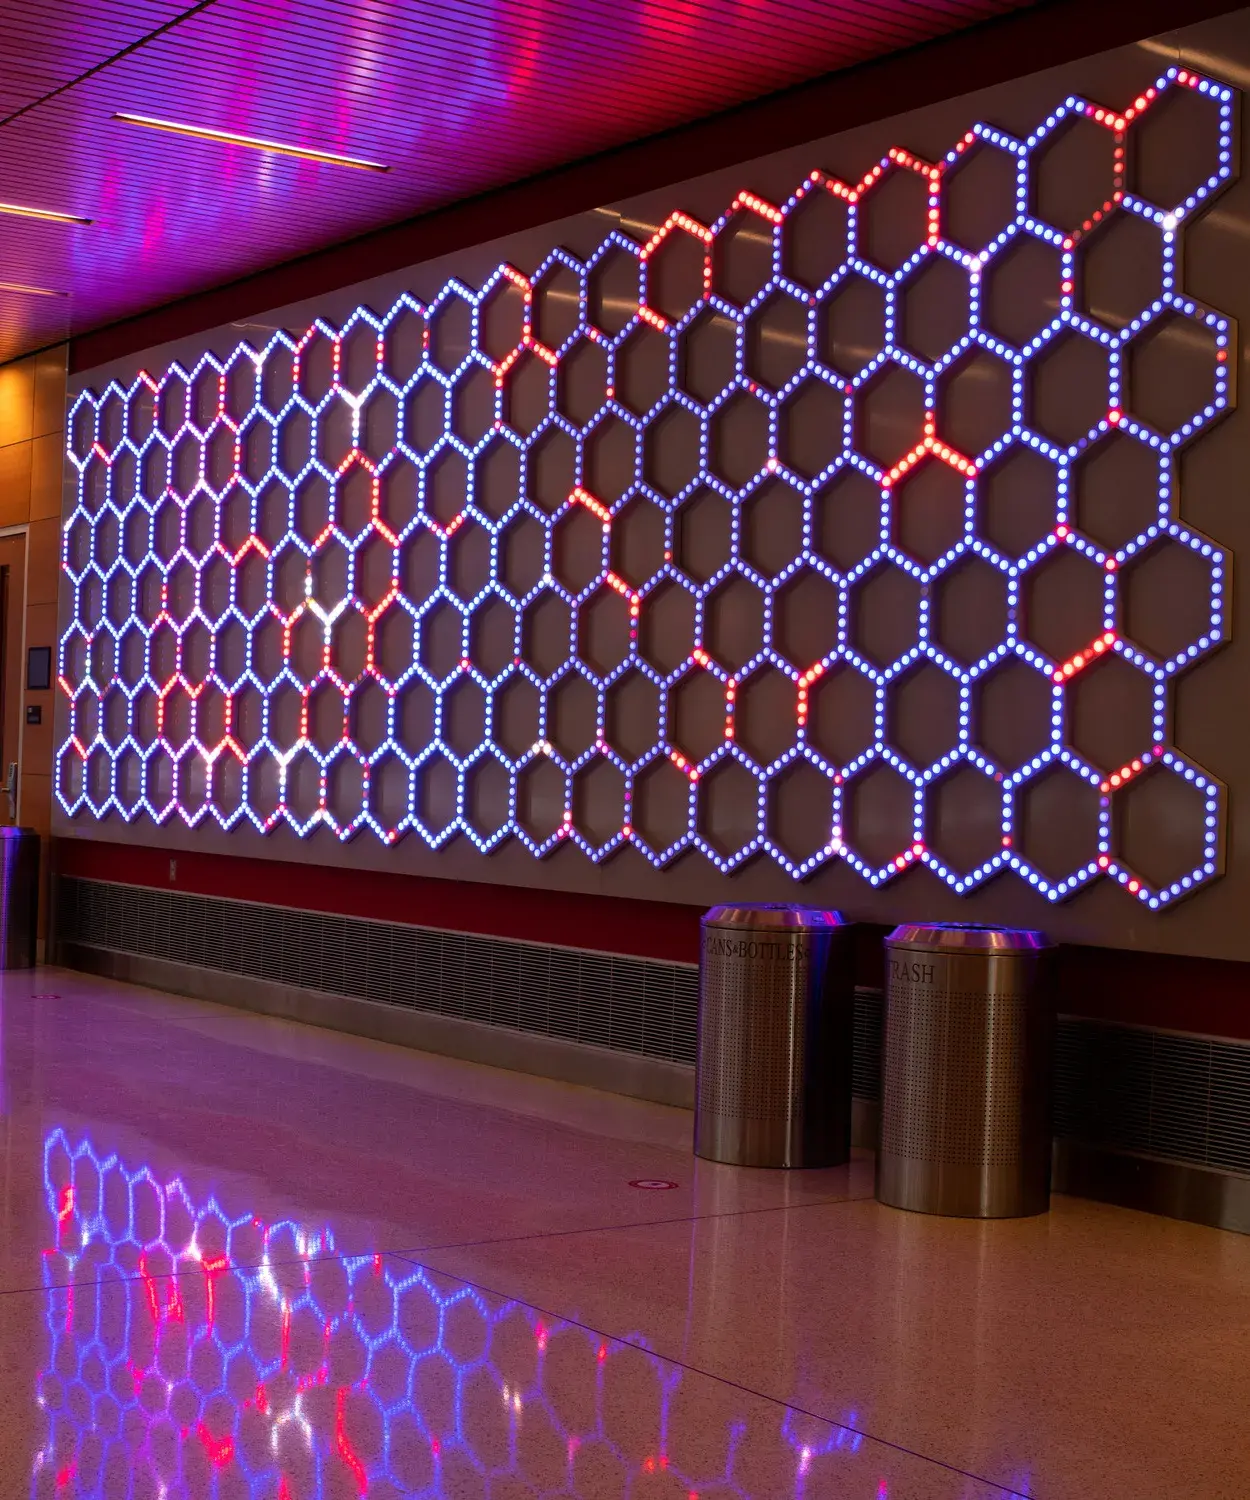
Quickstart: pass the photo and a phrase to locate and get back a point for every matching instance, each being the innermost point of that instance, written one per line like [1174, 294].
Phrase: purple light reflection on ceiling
[457, 99]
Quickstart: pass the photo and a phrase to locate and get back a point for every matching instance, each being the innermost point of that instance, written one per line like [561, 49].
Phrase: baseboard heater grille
[1154, 1093]
[580, 995]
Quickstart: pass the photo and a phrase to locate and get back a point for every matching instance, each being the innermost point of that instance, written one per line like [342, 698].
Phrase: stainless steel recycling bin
[19, 897]
[776, 1014]
[965, 1109]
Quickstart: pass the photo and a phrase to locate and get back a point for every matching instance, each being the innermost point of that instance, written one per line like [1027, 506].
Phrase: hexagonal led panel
[882, 428]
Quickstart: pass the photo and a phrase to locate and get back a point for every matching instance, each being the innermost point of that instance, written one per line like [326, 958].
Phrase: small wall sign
[39, 669]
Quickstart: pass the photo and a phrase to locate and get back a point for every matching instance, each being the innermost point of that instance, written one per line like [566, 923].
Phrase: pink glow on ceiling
[456, 98]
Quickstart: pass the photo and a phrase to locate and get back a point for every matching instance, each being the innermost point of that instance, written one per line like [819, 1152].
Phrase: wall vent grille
[869, 1037]
[1155, 1093]
[631, 1005]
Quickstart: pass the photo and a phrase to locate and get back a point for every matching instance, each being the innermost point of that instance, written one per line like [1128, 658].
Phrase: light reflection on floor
[211, 1345]
[190, 1197]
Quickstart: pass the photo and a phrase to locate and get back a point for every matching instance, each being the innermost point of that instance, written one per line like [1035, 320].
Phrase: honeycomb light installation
[297, 591]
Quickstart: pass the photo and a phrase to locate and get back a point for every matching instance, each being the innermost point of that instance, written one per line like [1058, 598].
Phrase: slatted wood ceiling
[456, 96]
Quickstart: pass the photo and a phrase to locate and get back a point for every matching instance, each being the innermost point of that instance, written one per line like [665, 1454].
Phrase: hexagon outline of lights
[283, 398]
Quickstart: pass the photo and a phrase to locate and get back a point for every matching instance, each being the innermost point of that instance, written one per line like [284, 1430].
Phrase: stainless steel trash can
[776, 1014]
[965, 1108]
[19, 897]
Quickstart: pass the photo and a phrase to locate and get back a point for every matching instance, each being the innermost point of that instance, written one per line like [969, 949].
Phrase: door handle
[10, 786]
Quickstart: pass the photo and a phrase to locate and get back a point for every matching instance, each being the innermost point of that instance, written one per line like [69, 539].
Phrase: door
[12, 621]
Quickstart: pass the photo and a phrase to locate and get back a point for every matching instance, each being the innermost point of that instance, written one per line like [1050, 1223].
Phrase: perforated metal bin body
[776, 1010]
[965, 1100]
[19, 897]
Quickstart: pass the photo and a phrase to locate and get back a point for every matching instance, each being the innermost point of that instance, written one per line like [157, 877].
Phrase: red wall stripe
[647, 929]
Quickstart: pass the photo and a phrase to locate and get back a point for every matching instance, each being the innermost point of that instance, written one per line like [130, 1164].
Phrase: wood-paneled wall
[32, 448]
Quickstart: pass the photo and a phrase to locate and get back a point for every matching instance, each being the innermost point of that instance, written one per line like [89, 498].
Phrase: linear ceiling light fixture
[255, 142]
[25, 211]
[30, 291]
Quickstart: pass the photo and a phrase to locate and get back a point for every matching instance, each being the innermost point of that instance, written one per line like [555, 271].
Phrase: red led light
[595, 507]
[759, 206]
[1082, 659]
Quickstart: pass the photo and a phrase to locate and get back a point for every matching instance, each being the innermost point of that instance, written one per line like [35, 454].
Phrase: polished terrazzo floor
[244, 1258]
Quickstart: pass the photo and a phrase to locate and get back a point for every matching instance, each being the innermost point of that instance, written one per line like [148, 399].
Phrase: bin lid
[772, 914]
[966, 937]
[18, 833]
